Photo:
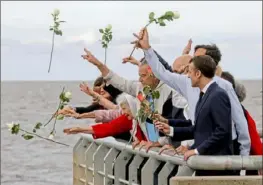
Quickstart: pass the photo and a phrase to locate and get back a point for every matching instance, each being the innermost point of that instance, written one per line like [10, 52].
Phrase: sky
[236, 27]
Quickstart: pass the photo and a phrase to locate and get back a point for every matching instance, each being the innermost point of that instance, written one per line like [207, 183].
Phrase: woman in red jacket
[122, 124]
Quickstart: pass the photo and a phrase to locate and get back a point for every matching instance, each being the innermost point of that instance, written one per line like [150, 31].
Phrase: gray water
[38, 162]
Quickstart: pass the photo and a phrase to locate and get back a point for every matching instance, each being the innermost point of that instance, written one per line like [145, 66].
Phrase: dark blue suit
[212, 131]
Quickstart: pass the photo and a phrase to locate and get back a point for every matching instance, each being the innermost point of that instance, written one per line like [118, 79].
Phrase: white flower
[10, 125]
[51, 136]
[109, 26]
[56, 12]
[176, 15]
[68, 95]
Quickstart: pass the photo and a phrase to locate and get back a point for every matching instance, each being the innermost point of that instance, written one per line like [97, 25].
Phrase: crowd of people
[199, 110]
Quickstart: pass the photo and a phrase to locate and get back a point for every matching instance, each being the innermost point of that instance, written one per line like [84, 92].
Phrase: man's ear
[198, 74]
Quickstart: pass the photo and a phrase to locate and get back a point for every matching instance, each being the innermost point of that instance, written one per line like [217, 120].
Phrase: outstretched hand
[86, 89]
[131, 60]
[89, 57]
[188, 47]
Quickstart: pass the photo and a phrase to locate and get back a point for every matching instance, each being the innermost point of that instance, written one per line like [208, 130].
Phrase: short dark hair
[211, 50]
[205, 64]
[99, 81]
[229, 77]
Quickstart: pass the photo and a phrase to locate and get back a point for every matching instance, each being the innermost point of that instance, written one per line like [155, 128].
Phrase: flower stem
[44, 137]
[51, 54]
[56, 110]
[134, 46]
[105, 60]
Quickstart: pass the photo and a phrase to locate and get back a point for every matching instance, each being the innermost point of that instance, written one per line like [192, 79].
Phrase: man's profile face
[145, 76]
[194, 74]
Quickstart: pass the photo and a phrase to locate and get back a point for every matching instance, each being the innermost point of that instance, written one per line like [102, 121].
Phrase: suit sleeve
[183, 133]
[221, 112]
[179, 123]
[163, 62]
[117, 126]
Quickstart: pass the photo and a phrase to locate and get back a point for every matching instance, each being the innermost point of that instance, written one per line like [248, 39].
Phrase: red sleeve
[112, 128]
[256, 144]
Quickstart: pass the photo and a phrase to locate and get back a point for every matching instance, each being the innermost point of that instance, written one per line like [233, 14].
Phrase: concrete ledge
[217, 180]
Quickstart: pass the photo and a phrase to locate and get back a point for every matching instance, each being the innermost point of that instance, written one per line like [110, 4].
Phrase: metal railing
[106, 162]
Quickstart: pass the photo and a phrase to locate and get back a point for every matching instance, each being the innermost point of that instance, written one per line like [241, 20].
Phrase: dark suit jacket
[212, 131]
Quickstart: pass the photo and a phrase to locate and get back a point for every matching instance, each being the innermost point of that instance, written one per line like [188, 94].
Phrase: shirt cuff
[149, 52]
[171, 134]
[196, 152]
[108, 76]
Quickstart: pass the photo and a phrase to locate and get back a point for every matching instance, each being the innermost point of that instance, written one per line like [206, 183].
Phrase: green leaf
[60, 117]
[38, 125]
[57, 24]
[50, 29]
[62, 21]
[27, 137]
[169, 14]
[103, 37]
[151, 16]
[34, 130]
[147, 90]
[107, 39]
[156, 94]
[62, 96]
[59, 32]
[101, 31]
[15, 129]
[107, 30]
[110, 37]
[161, 23]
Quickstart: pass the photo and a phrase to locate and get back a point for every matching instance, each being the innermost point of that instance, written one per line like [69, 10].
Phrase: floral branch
[168, 16]
[56, 31]
[106, 38]
[64, 99]
[15, 128]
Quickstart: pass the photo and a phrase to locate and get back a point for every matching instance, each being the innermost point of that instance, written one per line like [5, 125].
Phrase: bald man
[180, 64]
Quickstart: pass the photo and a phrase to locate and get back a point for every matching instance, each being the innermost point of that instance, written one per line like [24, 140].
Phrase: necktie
[198, 103]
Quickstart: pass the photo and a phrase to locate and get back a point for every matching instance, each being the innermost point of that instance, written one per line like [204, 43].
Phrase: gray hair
[240, 91]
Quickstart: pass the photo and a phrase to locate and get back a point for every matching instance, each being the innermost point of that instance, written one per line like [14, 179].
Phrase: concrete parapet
[217, 180]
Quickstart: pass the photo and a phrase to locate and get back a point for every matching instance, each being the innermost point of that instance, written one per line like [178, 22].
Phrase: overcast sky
[236, 27]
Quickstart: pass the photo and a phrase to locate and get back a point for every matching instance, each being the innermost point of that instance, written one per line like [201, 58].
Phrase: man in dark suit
[212, 129]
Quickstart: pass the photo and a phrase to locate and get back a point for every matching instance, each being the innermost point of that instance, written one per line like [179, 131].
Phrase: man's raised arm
[176, 81]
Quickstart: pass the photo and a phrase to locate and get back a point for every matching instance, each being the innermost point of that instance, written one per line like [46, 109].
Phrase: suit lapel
[204, 98]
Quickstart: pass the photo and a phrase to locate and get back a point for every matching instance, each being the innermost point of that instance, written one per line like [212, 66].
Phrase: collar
[207, 86]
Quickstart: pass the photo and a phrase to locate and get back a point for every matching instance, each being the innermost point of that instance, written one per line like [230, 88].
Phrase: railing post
[79, 161]
[89, 163]
[110, 157]
[120, 166]
[99, 170]
[133, 169]
[148, 171]
[165, 173]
